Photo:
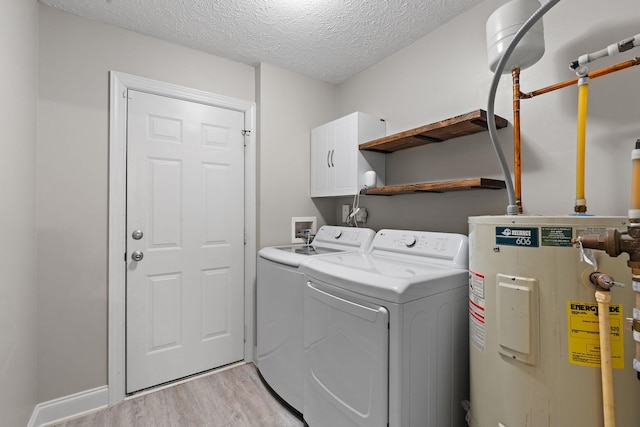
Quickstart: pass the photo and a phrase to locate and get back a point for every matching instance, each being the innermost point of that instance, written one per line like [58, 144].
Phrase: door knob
[137, 234]
[137, 255]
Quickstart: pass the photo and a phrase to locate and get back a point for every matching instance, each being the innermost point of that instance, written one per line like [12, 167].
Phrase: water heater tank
[503, 24]
[533, 324]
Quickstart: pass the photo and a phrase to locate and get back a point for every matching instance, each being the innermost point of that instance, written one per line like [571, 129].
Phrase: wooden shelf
[437, 187]
[465, 124]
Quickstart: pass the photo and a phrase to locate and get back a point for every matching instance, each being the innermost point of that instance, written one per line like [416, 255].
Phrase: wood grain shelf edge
[455, 127]
[438, 187]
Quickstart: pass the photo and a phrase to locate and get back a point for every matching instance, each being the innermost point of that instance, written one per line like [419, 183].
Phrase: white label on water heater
[476, 310]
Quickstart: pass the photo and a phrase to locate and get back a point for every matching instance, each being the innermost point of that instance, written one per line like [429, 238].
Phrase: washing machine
[280, 299]
[386, 333]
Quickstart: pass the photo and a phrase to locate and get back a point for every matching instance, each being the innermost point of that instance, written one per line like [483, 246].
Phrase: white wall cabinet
[337, 165]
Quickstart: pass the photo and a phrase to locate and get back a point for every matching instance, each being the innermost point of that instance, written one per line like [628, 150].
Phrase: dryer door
[346, 360]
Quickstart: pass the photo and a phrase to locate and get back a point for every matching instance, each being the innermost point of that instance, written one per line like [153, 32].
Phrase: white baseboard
[57, 410]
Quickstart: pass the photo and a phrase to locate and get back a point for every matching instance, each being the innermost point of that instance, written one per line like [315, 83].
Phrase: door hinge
[246, 133]
[125, 257]
[245, 333]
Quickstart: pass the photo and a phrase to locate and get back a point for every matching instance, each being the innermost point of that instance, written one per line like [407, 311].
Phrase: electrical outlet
[362, 214]
[345, 213]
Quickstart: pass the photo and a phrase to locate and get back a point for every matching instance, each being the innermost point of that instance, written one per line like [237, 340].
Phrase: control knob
[410, 241]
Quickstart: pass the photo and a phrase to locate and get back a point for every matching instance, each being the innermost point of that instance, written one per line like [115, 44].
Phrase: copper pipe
[515, 74]
[592, 75]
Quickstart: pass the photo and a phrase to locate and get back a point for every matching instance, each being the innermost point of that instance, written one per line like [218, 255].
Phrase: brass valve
[614, 242]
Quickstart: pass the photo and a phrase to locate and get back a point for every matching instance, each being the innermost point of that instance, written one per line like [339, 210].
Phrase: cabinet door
[320, 161]
[337, 166]
[345, 155]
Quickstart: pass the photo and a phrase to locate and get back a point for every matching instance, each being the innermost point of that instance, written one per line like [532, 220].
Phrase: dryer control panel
[447, 248]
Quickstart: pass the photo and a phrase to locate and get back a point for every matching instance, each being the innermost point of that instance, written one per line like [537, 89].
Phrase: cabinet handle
[328, 155]
[332, 165]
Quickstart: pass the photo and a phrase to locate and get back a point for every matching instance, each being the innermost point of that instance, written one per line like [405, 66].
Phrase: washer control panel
[344, 236]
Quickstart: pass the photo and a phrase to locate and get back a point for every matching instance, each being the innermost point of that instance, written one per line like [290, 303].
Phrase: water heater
[533, 324]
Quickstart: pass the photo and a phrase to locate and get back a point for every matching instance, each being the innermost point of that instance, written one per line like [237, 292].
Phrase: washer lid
[384, 278]
[293, 255]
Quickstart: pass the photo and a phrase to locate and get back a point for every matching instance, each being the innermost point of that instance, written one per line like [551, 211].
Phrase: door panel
[165, 186]
[185, 192]
[321, 161]
[215, 185]
[165, 311]
[215, 300]
[346, 150]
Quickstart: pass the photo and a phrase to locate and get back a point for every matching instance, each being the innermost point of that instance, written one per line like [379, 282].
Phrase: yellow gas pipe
[583, 92]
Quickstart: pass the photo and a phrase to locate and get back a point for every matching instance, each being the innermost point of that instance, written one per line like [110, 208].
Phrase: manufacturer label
[476, 310]
[517, 236]
[556, 236]
[589, 231]
[584, 334]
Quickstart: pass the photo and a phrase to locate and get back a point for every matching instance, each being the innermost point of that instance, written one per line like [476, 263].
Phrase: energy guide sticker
[476, 310]
[584, 334]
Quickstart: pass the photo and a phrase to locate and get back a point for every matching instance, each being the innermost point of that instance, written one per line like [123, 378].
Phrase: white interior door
[185, 194]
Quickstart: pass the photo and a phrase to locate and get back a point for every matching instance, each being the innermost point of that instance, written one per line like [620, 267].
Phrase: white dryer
[280, 300]
[386, 333]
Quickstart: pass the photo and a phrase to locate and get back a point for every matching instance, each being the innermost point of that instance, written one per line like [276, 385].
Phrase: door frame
[118, 85]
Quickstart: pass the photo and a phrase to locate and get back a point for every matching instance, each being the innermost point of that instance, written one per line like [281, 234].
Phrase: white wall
[289, 105]
[18, 113]
[76, 55]
[446, 74]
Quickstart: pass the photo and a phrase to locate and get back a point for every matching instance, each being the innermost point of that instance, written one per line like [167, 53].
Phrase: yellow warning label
[584, 334]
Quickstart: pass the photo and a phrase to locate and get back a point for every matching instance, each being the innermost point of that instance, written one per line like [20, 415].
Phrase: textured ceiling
[330, 40]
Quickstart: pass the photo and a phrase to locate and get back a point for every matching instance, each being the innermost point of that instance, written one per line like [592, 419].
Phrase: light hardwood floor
[234, 397]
